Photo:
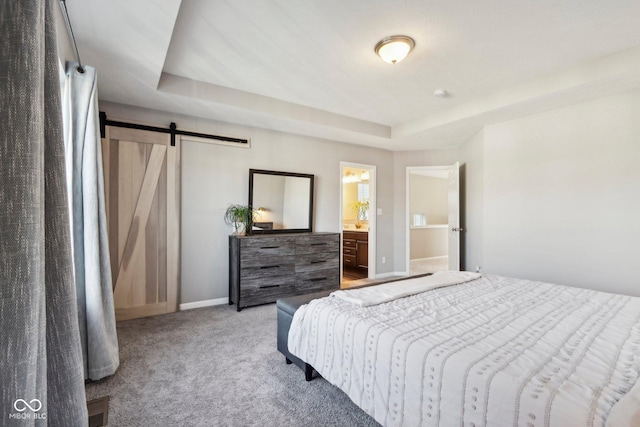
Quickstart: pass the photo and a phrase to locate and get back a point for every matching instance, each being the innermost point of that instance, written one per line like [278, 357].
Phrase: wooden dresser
[266, 267]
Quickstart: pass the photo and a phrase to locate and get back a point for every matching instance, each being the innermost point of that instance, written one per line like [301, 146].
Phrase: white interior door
[454, 217]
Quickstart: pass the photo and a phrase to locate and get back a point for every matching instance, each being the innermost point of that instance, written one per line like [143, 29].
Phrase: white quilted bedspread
[491, 352]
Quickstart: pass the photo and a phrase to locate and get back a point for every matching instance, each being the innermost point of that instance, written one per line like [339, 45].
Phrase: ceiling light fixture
[395, 48]
[350, 177]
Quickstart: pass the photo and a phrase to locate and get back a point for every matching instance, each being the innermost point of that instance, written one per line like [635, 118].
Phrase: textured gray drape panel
[40, 354]
[96, 315]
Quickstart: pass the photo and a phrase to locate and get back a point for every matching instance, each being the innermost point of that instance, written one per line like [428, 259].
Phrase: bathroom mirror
[283, 201]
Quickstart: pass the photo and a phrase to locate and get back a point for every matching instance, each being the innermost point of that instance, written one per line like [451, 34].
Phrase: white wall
[562, 195]
[428, 242]
[429, 196]
[214, 176]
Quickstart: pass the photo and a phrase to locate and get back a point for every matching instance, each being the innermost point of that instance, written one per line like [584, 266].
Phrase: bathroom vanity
[355, 252]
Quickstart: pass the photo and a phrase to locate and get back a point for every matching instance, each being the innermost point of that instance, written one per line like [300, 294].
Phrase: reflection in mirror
[283, 201]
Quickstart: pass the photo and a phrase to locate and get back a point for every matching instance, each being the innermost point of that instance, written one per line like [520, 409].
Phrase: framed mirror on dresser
[283, 201]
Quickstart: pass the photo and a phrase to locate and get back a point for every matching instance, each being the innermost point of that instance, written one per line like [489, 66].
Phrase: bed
[457, 349]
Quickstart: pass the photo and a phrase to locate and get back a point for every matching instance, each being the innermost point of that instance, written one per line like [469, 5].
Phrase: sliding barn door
[142, 189]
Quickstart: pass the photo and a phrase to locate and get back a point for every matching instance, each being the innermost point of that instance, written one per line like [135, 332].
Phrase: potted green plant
[240, 217]
[361, 207]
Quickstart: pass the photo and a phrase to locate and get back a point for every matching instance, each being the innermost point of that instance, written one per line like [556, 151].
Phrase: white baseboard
[205, 303]
[429, 258]
[391, 274]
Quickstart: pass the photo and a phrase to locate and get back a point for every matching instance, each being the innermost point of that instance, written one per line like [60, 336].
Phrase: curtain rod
[67, 21]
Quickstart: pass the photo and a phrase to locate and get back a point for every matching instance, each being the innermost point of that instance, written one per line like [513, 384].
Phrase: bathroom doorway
[357, 221]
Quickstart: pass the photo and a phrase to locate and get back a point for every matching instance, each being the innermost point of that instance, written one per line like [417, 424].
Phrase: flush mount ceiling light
[395, 48]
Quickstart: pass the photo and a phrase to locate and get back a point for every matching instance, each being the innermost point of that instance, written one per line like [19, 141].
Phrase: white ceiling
[308, 67]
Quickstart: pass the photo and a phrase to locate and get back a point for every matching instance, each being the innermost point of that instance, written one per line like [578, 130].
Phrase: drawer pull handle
[318, 244]
[317, 279]
[269, 247]
[269, 286]
[318, 262]
[264, 267]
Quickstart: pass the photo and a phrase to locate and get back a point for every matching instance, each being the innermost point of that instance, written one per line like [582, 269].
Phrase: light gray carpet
[216, 367]
[428, 265]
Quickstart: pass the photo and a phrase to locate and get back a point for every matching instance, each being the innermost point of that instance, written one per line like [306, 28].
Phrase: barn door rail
[172, 130]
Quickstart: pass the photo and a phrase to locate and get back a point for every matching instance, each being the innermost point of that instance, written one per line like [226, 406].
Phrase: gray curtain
[96, 314]
[40, 354]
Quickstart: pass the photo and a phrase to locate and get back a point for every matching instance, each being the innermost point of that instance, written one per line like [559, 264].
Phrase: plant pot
[239, 229]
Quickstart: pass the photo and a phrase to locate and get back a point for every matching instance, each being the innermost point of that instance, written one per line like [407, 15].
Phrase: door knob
[457, 229]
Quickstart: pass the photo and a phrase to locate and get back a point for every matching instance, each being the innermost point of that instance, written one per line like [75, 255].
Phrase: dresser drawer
[317, 243]
[267, 267]
[317, 261]
[262, 291]
[266, 246]
[318, 280]
[266, 296]
[266, 260]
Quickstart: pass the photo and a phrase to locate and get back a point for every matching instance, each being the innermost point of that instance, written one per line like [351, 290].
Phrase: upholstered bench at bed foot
[286, 308]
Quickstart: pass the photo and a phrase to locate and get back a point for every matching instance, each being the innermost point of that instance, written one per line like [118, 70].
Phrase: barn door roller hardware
[172, 130]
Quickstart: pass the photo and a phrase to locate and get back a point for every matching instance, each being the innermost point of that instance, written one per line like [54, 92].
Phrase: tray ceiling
[310, 68]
